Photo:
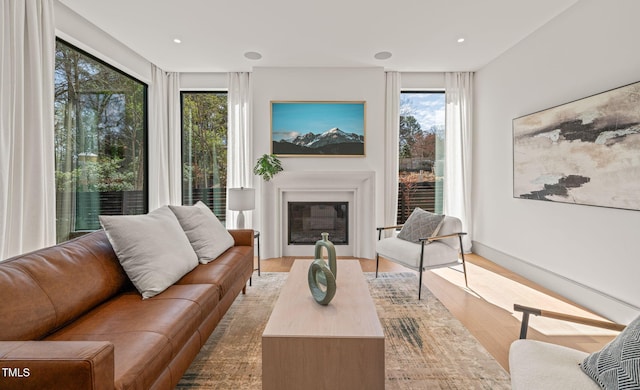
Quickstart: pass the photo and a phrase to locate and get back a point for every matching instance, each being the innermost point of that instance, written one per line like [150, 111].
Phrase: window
[204, 150]
[100, 142]
[421, 152]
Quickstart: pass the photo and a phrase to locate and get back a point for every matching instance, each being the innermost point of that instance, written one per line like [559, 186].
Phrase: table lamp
[241, 199]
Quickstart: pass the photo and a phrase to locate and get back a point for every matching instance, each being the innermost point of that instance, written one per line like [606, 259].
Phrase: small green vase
[322, 277]
[331, 252]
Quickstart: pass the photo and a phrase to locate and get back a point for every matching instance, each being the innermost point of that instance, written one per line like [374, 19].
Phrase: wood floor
[486, 306]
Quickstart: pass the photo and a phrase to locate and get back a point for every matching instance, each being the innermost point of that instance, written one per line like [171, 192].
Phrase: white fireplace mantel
[360, 185]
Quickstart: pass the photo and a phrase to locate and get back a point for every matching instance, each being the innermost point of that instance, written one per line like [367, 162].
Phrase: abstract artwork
[318, 128]
[584, 152]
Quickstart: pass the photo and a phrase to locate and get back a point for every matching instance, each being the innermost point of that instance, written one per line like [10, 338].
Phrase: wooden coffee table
[309, 346]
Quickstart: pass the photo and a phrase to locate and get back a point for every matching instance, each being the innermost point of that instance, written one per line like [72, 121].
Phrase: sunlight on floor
[503, 292]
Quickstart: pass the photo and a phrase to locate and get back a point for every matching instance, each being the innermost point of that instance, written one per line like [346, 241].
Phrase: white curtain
[165, 178]
[27, 161]
[239, 140]
[458, 141]
[175, 140]
[391, 142]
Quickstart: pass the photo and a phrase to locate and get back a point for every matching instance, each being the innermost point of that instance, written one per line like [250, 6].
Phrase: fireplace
[307, 220]
[357, 188]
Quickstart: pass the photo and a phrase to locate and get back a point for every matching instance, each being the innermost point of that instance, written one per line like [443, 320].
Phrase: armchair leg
[464, 270]
[464, 264]
[377, 261]
[524, 326]
[420, 270]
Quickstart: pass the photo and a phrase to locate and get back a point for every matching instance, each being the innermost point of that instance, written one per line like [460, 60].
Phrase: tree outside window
[100, 142]
[204, 150]
[421, 152]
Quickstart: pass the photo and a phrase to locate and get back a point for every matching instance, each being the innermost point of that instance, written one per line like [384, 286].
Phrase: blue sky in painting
[427, 108]
[292, 119]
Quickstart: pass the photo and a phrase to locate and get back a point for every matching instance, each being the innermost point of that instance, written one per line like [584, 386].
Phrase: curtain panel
[458, 141]
[391, 142]
[27, 162]
[165, 178]
[239, 140]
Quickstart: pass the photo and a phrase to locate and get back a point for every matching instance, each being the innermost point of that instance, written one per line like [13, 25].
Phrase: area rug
[425, 346]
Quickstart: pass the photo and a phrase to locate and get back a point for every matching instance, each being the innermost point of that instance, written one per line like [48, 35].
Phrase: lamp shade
[241, 199]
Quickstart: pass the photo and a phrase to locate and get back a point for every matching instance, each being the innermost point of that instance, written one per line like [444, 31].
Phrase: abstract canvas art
[584, 152]
[312, 129]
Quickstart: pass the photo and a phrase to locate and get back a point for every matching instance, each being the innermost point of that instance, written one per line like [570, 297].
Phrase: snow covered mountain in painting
[331, 142]
[333, 136]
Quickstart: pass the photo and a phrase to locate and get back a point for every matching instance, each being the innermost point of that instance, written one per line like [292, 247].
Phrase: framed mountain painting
[318, 128]
[583, 152]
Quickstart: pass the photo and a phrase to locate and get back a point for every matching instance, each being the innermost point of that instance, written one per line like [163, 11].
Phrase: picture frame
[584, 152]
[318, 128]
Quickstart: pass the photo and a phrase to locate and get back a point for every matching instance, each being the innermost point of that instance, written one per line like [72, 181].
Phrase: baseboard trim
[595, 300]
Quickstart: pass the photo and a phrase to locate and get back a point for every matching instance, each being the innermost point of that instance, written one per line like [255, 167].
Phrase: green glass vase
[331, 252]
[322, 276]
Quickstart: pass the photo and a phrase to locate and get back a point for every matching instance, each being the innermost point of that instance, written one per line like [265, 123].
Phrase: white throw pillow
[153, 249]
[208, 237]
[421, 224]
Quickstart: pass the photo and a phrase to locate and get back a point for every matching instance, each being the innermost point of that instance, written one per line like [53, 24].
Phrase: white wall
[76, 30]
[590, 48]
[422, 81]
[342, 84]
[204, 81]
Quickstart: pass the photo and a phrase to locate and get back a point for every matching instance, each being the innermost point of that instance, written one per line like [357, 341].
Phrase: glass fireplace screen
[307, 220]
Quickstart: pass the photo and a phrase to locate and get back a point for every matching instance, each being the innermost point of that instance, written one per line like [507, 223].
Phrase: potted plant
[267, 166]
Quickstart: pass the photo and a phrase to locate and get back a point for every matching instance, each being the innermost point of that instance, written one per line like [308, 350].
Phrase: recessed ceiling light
[460, 40]
[383, 55]
[252, 55]
[176, 40]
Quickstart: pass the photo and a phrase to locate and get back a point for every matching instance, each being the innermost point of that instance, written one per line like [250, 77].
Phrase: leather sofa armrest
[242, 237]
[27, 365]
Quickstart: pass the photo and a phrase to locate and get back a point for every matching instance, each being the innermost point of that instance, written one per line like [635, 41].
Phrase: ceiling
[421, 34]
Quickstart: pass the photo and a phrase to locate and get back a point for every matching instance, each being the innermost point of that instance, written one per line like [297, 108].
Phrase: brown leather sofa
[71, 319]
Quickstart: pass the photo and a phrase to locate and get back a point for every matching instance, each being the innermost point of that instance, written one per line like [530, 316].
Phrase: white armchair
[536, 365]
[430, 252]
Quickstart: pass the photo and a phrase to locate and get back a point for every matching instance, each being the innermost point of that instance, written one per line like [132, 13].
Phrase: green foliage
[99, 125]
[105, 174]
[99, 138]
[267, 166]
[204, 140]
[405, 151]
[418, 143]
[409, 130]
